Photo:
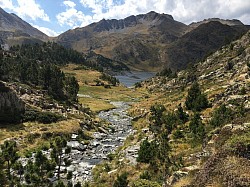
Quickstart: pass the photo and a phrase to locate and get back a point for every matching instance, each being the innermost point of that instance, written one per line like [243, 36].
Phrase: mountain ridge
[13, 28]
[147, 41]
[150, 42]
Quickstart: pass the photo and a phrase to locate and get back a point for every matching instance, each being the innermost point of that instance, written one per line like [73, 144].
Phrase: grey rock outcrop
[11, 106]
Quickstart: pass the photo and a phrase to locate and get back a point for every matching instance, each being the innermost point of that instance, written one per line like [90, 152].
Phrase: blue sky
[56, 16]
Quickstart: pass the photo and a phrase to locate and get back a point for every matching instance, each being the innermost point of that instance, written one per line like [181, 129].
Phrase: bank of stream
[86, 156]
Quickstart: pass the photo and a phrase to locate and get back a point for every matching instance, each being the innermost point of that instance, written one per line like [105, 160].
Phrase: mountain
[148, 42]
[13, 30]
[203, 40]
[135, 40]
[233, 22]
[221, 158]
[152, 41]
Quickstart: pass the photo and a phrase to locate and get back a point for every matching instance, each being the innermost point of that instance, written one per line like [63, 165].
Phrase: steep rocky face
[12, 28]
[11, 107]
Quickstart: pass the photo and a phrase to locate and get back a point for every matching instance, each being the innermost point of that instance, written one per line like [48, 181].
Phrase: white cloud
[70, 4]
[185, 11]
[73, 17]
[26, 9]
[47, 31]
[182, 10]
[6, 4]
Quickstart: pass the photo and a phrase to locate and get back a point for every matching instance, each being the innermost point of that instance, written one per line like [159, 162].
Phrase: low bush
[41, 117]
[221, 116]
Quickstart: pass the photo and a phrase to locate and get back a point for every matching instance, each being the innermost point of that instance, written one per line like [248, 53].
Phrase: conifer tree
[9, 156]
[197, 128]
[121, 181]
[59, 147]
[196, 100]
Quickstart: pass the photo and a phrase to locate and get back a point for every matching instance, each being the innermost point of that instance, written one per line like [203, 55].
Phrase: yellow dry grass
[22, 132]
[183, 182]
[83, 76]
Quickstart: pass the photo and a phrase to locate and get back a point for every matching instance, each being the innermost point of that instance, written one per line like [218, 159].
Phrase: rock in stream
[85, 157]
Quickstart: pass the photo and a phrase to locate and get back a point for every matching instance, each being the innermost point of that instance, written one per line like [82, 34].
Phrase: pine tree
[121, 181]
[9, 156]
[197, 128]
[156, 118]
[196, 100]
[59, 148]
[72, 88]
[221, 116]
[183, 116]
[146, 152]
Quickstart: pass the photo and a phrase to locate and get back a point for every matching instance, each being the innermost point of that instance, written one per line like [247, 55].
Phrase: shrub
[146, 152]
[138, 85]
[178, 134]
[221, 116]
[145, 183]
[41, 117]
[121, 180]
[240, 145]
[145, 175]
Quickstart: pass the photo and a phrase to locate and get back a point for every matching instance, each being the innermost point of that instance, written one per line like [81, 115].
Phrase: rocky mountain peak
[150, 18]
[152, 15]
[233, 22]
[12, 23]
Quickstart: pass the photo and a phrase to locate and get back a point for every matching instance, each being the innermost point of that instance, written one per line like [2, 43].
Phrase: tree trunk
[8, 165]
[59, 167]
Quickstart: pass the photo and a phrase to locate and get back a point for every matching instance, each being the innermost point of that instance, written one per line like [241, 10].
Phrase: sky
[56, 16]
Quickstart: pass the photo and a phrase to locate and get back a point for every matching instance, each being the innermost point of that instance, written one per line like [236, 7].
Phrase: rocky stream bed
[84, 157]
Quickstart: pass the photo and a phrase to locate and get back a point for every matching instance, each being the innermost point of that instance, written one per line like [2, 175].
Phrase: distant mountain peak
[155, 14]
[151, 17]
[230, 22]
[12, 24]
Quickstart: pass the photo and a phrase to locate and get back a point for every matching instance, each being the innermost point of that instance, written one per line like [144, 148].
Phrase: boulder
[11, 106]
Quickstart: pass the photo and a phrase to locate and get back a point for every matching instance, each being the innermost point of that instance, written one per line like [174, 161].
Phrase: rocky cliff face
[11, 107]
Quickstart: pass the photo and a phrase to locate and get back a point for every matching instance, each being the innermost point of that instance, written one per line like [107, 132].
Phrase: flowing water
[85, 157]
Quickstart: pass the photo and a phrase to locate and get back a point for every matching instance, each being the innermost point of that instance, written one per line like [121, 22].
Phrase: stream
[85, 157]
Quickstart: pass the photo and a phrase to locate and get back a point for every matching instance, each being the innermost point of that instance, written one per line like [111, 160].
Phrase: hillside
[135, 40]
[150, 41]
[13, 30]
[206, 146]
[203, 40]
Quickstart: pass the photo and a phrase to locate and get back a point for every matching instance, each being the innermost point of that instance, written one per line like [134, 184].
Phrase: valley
[140, 101]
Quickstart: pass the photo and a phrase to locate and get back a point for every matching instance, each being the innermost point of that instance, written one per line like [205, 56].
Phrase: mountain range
[148, 42]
